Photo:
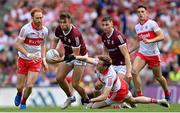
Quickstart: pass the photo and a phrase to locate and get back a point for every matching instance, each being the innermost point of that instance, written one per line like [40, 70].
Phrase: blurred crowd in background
[86, 16]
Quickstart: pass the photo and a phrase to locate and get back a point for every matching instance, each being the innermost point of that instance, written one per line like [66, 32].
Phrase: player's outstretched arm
[103, 96]
[86, 59]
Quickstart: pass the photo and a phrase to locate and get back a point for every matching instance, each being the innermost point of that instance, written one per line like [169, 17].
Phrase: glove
[69, 58]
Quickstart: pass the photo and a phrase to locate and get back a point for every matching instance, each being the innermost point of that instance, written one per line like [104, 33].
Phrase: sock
[83, 101]
[19, 93]
[153, 100]
[166, 92]
[24, 100]
[139, 93]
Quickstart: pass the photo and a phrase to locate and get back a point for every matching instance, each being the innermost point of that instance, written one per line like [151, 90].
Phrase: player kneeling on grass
[115, 88]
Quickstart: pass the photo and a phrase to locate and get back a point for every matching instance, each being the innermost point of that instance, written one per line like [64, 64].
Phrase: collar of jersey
[105, 71]
[68, 31]
[34, 27]
[111, 33]
[144, 21]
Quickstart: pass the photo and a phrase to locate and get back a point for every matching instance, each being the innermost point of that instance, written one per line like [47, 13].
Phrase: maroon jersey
[112, 43]
[72, 39]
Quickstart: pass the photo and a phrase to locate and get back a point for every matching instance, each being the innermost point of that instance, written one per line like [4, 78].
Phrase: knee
[134, 72]
[158, 77]
[97, 87]
[29, 86]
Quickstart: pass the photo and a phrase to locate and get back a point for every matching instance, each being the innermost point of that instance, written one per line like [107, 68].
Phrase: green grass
[140, 108]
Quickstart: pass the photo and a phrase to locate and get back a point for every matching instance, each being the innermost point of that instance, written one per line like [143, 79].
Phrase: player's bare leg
[138, 65]
[31, 79]
[76, 78]
[160, 78]
[96, 105]
[21, 79]
[63, 70]
[146, 100]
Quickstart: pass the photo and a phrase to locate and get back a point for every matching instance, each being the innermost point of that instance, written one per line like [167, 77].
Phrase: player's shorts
[152, 61]
[23, 66]
[78, 62]
[120, 95]
[120, 69]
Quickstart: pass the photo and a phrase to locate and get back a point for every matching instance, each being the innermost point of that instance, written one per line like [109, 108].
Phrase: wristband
[28, 55]
[44, 58]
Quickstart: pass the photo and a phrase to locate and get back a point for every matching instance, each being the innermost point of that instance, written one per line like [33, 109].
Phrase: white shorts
[78, 62]
[128, 95]
[121, 69]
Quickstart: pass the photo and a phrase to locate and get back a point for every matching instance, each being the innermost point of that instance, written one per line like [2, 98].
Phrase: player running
[31, 50]
[149, 34]
[74, 44]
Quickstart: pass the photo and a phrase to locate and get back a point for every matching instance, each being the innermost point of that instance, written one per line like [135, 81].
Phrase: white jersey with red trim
[32, 39]
[110, 79]
[147, 30]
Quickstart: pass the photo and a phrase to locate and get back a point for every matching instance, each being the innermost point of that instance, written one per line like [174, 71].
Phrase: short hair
[105, 59]
[65, 15]
[36, 9]
[142, 6]
[107, 18]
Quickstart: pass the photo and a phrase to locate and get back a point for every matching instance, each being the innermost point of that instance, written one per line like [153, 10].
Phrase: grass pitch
[140, 108]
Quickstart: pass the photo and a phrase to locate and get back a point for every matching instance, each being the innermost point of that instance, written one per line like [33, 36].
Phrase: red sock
[153, 100]
[139, 93]
[24, 100]
[166, 92]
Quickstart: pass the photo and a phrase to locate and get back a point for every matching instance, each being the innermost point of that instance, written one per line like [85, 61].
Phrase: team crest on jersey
[65, 38]
[69, 40]
[146, 27]
[108, 41]
[60, 36]
[40, 34]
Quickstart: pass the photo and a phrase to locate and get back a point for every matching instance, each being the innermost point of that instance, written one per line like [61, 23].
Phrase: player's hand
[57, 59]
[128, 76]
[45, 65]
[69, 58]
[146, 41]
[33, 57]
[88, 106]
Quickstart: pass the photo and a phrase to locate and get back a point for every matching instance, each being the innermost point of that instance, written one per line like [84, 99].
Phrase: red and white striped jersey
[33, 39]
[147, 30]
[110, 79]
